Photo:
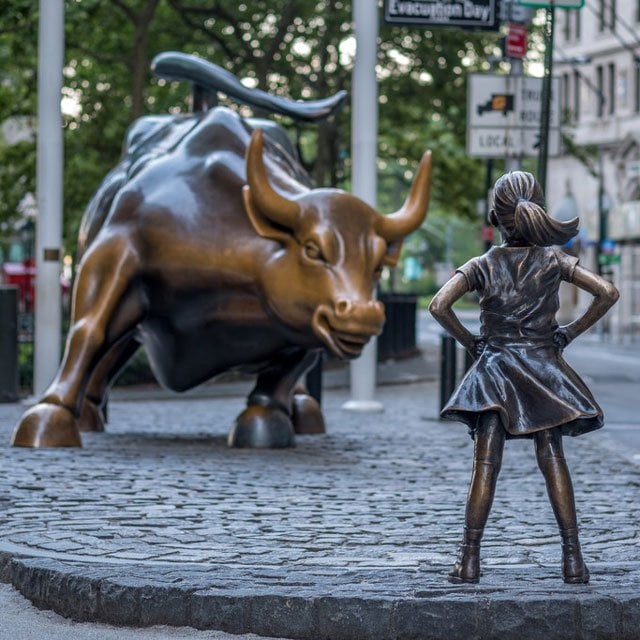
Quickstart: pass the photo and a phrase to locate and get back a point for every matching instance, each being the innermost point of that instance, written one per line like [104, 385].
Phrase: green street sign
[547, 4]
[609, 258]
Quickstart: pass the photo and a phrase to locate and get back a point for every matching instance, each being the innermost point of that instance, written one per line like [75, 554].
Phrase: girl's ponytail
[532, 224]
[518, 208]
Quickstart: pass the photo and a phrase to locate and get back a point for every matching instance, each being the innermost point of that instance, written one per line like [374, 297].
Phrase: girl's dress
[521, 374]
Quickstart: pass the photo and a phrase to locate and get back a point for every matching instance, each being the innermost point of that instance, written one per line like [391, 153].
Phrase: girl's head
[518, 209]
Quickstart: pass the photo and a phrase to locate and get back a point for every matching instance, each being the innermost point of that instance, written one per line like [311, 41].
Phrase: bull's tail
[173, 65]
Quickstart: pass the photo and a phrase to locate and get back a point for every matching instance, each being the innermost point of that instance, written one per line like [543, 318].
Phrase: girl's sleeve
[567, 264]
[471, 271]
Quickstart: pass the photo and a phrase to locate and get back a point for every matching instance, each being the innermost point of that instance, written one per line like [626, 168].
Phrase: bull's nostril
[342, 307]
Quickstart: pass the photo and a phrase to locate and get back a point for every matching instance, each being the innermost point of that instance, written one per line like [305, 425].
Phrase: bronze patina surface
[206, 246]
[520, 385]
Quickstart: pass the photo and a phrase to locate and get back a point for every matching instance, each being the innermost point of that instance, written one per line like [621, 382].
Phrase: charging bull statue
[206, 246]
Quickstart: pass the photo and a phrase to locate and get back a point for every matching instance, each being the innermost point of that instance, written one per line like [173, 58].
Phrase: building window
[576, 96]
[611, 93]
[612, 15]
[564, 96]
[566, 27]
[601, 15]
[636, 88]
[600, 90]
[578, 25]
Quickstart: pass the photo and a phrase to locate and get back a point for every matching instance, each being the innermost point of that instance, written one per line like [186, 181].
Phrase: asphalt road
[20, 620]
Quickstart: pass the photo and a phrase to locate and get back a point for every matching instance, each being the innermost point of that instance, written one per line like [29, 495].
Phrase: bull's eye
[313, 251]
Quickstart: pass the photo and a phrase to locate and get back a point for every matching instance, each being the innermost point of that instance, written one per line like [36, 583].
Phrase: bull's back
[184, 173]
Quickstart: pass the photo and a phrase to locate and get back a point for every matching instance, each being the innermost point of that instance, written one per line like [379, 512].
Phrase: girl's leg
[553, 465]
[487, 459]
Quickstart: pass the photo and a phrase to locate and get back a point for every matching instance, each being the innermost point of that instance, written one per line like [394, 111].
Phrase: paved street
[348, 535]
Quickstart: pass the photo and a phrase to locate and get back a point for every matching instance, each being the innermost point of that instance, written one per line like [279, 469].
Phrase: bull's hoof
[91, 418]
[261, 427]
[307, 416]
[47, 425]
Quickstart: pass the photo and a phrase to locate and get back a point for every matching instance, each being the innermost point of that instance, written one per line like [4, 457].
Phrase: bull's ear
[390, 258]
[263, 226]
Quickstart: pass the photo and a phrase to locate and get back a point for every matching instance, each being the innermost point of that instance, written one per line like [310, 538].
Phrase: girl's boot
[467, 567]
[574, 570]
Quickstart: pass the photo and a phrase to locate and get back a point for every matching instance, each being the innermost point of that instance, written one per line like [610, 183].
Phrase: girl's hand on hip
[561, 338]
[479, 345]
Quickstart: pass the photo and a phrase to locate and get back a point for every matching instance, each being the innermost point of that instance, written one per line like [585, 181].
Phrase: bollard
[8, 343]
[447, 368]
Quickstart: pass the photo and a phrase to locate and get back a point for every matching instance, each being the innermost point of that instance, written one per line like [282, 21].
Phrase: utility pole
[364, 144]
[48, 310]
[546, 98]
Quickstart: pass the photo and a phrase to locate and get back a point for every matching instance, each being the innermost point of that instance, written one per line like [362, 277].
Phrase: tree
[298, 48]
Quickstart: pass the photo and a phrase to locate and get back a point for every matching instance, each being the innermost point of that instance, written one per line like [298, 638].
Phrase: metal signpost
[547, 92]
[364, 123]
[504, 115]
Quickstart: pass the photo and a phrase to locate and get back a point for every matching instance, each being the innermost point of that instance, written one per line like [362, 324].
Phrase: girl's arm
[604, 295]
[440, 309]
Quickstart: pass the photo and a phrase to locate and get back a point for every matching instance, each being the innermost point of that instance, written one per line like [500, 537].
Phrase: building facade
[597, 58]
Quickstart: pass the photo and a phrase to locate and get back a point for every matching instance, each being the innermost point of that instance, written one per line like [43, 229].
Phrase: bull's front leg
[105, 311]
[274, 404]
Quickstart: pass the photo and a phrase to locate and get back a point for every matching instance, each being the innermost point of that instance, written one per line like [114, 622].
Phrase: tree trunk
[140, 64]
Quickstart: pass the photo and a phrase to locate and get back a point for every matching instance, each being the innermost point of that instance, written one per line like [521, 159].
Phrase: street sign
[463, 14]
[511, 11]
[515, 45]
[509, 101]
[560, 4]
[503, 116]
[492, 142]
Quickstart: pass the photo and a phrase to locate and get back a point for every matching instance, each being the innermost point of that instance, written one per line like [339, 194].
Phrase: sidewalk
[349, 535]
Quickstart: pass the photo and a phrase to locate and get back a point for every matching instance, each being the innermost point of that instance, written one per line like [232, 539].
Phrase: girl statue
[520, 385]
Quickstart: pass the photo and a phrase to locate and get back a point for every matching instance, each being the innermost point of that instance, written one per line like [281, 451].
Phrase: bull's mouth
[344, 342]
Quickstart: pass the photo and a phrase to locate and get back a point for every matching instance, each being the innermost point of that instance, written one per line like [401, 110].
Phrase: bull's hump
[221, 130]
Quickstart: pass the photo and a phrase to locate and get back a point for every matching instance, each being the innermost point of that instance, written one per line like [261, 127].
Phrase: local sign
[464, 14]
[503, 116]
[508, 143]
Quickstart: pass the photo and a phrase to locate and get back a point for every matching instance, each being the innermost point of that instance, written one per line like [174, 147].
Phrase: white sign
[504, 113]
[493, 142]
[510, 101]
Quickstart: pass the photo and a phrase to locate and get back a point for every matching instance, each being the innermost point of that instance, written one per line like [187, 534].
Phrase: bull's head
[334, 247]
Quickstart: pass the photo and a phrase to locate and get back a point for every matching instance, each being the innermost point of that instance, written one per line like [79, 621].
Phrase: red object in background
[488, 233]
[22, 275]
[516, 42]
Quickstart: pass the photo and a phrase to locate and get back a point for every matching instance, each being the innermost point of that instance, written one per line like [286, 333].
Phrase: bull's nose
[371, 310]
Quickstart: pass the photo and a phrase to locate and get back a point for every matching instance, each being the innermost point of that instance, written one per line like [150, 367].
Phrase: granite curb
[99, 594]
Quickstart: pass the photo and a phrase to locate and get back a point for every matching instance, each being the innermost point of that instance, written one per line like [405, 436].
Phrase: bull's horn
[275, 207]
[397, 225]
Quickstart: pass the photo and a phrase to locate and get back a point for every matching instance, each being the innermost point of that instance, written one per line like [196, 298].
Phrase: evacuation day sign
[463, 14]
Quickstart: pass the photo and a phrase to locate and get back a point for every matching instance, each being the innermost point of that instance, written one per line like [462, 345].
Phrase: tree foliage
[297, 48]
